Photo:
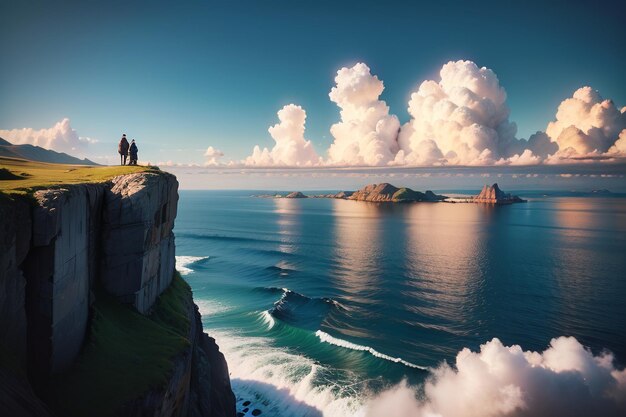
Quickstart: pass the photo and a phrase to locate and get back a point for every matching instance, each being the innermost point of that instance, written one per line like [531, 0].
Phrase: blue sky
[182, 77]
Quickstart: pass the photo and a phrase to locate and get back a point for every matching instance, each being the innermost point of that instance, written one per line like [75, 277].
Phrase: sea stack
[296, 194]
[494, 195]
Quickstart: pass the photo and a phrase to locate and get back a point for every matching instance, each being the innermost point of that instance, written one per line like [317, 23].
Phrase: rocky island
[94, 319]
[494, 195]
[387, 193]
[295, 194]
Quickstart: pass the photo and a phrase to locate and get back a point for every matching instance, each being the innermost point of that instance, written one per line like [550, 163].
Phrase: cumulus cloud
[564, 380]
[619, 147]
[213, 155]
[367, 133]
[60, 137]
[291, 148]
[586, 125]
[541, 145]
[462, 119]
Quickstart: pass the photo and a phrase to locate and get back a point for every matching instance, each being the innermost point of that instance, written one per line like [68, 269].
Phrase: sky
[180, 78]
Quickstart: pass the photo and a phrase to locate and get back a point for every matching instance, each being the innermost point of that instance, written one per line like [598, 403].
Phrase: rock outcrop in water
[59, 249]
[295, 194]
[385, 192]
[494, 195]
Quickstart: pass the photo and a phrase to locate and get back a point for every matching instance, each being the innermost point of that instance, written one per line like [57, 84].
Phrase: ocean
[322, 306]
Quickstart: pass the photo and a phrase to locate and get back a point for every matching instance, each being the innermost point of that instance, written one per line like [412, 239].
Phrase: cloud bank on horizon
[460, 120]
[61, 138]
[564, 380]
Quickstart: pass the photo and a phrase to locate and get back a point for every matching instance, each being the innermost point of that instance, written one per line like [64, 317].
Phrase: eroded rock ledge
[58, 248]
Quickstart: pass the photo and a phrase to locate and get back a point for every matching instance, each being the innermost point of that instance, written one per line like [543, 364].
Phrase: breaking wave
[325, 337]
[183, 263]
[498, 381]
[301, 311]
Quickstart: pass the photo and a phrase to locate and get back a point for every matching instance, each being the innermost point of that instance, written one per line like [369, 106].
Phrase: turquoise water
[327, 302]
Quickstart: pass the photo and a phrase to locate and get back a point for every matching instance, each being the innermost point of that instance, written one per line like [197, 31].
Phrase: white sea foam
[281, 383]
[183, 262]
[211, 307]
[498, 381]
[325, 337]
[268, 319]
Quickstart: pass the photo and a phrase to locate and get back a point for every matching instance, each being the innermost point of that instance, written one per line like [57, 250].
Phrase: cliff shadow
[254, 396]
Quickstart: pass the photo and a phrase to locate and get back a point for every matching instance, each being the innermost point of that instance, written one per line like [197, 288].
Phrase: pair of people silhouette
[125, 149]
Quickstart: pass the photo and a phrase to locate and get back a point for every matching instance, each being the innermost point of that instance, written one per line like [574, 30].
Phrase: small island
[296, 194]
[387, 193]
[494, 195]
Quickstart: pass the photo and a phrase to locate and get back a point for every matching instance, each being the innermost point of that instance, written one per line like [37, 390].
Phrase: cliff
[93, 318]
[494, 195]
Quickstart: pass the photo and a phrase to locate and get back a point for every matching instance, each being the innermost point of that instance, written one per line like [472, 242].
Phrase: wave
[325, 337]
[183, 263]
[272, 290]
[207, 236]
[565, 379]
[280, 270]
[268, 319]
[281, 383]
[301, 311]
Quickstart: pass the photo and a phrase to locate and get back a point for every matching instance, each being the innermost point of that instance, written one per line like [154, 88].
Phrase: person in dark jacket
[133, 153]
[122, 149]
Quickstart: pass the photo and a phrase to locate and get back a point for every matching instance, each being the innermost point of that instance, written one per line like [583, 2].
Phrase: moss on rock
[126, 355]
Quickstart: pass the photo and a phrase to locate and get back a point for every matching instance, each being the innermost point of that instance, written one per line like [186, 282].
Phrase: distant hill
[385, 193]
[36, 153]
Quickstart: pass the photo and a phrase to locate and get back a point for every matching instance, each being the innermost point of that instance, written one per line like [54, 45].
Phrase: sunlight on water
[322, 305]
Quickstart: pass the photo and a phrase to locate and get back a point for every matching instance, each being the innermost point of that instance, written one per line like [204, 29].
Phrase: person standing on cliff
[122, 149]
[133, 153]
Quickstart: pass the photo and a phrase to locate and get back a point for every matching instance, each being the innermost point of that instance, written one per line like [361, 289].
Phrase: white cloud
[527, 157]
[586, 123]
[367, 133]
[564, 380]
[213, 155]
[291, 148]
[460, 120]
[541, 145]
[60, 137]
[619, 147]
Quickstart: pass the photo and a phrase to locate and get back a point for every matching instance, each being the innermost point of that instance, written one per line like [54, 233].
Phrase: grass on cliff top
[20, 176]
[126, 354]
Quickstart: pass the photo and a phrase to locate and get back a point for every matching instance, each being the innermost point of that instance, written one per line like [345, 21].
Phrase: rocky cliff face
[199, 385]
[138, 243]
[55, 249]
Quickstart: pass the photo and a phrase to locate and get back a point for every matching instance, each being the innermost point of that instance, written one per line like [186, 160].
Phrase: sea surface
[320, 304]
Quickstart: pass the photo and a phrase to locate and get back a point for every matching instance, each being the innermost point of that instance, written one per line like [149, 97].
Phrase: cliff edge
[93, 317]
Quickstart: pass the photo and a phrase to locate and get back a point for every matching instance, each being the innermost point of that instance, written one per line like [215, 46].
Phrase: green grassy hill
[20, 176]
